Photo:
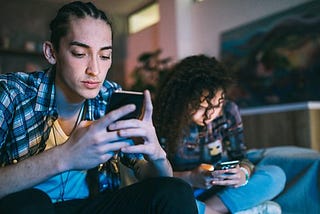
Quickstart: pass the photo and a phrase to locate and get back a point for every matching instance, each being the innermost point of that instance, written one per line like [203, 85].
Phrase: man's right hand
[92, 143]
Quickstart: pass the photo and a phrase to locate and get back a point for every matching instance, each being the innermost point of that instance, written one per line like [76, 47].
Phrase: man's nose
[93, 67]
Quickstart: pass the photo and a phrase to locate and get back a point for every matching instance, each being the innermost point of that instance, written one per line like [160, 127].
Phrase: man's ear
[49, 52]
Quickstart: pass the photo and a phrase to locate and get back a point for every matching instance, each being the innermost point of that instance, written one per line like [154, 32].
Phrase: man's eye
[79, 55]
[105, 57]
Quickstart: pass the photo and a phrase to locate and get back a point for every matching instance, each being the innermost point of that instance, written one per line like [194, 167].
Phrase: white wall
[168, 29]
[138, 43]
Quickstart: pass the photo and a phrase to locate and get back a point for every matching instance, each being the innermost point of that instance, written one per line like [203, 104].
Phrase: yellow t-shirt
[67, 185]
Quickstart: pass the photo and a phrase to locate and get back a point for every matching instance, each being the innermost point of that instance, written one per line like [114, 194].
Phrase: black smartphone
[121, 97]
[226, 165]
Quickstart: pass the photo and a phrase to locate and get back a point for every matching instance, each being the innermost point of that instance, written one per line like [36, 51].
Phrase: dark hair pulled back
[59, 25]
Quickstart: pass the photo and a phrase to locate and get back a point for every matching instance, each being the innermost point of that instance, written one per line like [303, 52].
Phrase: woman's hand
[205, 178]
[229, 177]
[201, 177]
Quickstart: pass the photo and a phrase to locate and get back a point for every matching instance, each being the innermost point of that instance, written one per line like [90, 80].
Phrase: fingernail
[118, 133]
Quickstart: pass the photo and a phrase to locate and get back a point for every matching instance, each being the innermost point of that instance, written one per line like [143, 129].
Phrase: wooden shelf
[295, 124]
[20, 52]
[12, 60]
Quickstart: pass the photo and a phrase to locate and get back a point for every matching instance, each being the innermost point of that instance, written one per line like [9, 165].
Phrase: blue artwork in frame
[277, 58]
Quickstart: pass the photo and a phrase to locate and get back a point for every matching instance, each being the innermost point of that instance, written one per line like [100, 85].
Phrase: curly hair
[180, 94]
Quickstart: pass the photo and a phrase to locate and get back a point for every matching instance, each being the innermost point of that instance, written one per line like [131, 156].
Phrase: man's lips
[91, 84]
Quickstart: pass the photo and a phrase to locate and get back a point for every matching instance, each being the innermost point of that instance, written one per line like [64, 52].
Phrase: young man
[60, 149]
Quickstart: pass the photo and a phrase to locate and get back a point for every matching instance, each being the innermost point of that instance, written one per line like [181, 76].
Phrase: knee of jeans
[166, 185]
[201, 207]
[171, 190]
[277, 176]
[176, 183]
[26, 201]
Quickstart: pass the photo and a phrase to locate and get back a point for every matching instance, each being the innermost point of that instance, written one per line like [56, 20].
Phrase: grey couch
[301, 194]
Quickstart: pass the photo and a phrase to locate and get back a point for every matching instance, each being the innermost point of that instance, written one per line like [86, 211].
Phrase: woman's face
[84, 58]
[210, 113]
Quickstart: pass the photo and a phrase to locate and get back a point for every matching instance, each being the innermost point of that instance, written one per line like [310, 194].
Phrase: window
[144, 18]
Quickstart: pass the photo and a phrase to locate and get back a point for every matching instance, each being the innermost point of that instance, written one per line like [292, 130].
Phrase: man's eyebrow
[87, 46]
[79, 44]
[106, 48]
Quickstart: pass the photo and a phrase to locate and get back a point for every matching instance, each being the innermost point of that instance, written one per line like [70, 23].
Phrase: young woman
[199, 129]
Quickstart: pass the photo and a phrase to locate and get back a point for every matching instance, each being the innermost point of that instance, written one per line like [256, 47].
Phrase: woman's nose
[210, 112]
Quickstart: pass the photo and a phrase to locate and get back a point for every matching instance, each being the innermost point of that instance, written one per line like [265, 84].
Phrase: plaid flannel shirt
[28, 110]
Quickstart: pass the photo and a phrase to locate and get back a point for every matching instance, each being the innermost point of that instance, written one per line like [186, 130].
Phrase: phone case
[122, 97]
[226, 165]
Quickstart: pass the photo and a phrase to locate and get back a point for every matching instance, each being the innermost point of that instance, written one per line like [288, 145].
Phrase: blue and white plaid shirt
[28, 110]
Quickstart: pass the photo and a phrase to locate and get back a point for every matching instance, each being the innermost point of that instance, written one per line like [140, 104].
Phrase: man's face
[84, 58]
[211, 113]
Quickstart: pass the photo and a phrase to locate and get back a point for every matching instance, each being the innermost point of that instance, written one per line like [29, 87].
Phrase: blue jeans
[301, 166]
[266, 183]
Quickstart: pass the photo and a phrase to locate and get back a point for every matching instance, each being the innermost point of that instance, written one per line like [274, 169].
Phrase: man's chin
[91, 94]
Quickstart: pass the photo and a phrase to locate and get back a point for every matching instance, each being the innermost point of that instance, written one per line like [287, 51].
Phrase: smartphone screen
[226, 165]
[121, 97]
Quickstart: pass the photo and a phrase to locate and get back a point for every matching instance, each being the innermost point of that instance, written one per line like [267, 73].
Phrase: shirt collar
[46, 92]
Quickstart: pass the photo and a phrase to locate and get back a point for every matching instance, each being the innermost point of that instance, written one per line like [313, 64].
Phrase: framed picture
[277, 58]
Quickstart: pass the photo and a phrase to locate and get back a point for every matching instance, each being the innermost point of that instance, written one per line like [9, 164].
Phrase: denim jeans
[266, 183]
